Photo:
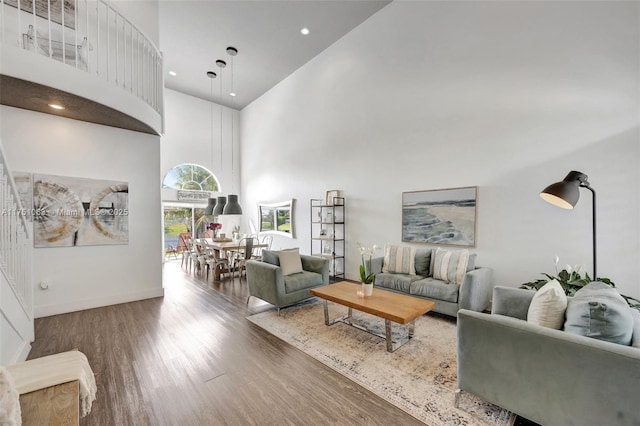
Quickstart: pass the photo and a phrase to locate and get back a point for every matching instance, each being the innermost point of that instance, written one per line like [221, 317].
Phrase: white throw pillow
[290, 261]
[450, 266]
[548, 306]
[399, 260]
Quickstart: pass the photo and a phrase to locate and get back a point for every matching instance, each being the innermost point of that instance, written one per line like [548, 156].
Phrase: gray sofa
[474, 293]
[266, 281]
[548, 376]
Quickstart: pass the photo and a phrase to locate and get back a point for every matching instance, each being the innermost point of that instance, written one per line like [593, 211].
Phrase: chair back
[246, 245]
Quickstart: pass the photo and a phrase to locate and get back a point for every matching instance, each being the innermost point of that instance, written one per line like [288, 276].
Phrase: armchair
[266, 281]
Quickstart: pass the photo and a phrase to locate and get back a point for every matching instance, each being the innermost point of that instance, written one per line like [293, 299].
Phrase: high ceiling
[194, 34]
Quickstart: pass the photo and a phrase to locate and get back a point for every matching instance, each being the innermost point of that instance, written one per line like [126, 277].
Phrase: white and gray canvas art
[71, 211]
[444, 216]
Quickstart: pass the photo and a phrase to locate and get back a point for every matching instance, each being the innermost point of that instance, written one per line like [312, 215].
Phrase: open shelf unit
[328, 233]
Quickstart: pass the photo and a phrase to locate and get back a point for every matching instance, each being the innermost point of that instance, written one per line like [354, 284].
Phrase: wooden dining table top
[231, 245]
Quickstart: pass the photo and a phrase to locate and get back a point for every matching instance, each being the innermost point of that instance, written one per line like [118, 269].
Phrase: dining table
[223, 247]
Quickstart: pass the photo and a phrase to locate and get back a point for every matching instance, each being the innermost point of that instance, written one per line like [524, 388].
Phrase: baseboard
[23, 353]
[81, 305]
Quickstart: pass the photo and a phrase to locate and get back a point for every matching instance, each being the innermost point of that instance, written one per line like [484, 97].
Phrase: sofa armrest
[373, 265]
[264, 281]
[476, 289]
[511, 301]
[548, 376]
[316, 264]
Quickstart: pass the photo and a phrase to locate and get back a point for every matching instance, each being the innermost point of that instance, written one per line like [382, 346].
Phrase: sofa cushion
[290, 261]
[399, 282]
[472, 262]
[301, 281]
[423, 262]
[399, 260]
[434, 289]
[271, 257]
[450, 266]
[548, 306]
[597, 310]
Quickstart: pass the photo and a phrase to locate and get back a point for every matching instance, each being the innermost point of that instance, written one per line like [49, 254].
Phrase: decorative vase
[368, 289]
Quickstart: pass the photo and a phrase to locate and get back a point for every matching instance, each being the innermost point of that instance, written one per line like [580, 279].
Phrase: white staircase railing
[15, 241]
[90, 35]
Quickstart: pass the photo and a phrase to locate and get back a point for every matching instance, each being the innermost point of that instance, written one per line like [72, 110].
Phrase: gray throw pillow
[597, 310]
[271, 257]
[423, 262]
[472, 262]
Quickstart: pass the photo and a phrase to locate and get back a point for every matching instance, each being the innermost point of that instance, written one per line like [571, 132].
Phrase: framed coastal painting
[440, 216]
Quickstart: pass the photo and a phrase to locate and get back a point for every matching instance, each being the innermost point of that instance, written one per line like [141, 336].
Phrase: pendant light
[211, 202]
[232, 207]
[221, 200]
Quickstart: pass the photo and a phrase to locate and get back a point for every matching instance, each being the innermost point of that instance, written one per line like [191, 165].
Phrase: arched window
[191, 177]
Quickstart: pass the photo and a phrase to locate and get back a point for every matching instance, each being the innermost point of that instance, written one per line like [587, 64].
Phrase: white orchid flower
[568, 268]
[579, 268]
[557, 259]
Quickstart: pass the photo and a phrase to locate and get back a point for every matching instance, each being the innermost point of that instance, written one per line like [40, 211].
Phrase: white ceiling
[194, 34]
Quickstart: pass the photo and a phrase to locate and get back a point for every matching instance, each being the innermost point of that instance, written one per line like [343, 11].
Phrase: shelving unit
[328, 234]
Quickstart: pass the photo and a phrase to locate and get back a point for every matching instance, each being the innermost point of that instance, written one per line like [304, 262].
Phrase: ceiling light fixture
[222, 201]
[173, 73]
[305, 31]
[56, 106]
[232, 207]
[211, 202]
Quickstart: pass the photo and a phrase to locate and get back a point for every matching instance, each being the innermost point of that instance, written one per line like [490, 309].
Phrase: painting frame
[441, 216]
[52, 8]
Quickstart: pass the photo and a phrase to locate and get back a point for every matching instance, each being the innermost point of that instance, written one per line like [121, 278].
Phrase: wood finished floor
[191, 358]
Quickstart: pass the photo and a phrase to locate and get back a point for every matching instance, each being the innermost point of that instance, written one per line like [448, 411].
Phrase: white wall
[192, 135]
[506, 96]
[87, 277]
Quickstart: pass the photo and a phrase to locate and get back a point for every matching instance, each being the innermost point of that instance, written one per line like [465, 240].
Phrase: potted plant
[571, 280]
[367, 280]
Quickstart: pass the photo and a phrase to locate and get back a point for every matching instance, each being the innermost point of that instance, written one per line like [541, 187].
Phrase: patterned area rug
[419, 377]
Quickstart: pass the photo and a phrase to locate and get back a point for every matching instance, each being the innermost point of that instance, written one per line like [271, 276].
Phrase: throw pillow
[450, 266]
[271, 257]
[399, 260]
[423, 262]
[597, 310]
[635, 339]
[472, 262]
[548, 306]
[290, 261]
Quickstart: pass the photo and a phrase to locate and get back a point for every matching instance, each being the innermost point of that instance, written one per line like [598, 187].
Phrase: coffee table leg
[387, 333]
[412, 328]
[326, 312]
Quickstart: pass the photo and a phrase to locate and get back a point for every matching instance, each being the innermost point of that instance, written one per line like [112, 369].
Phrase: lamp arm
[593, 215]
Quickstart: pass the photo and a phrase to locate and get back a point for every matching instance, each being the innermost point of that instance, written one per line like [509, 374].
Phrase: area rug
[419, 377]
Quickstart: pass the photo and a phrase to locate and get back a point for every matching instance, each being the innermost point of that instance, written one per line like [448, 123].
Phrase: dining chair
[189, 255]
[214, 260]
[257, 252]
[244, 253]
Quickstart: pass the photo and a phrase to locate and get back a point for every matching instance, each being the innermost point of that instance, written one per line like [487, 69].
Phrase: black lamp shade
[220, 205]
[232, 207]
[211, 203]
[564, 194]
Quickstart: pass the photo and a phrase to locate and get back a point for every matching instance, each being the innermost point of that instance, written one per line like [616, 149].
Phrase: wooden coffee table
[392, 307]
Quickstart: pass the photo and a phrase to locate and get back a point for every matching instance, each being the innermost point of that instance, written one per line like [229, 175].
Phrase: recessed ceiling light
[232, 94]
[305, 31]
[173, 73]
[56, 106]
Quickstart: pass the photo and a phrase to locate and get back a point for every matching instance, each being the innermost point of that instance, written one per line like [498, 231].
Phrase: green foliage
[366, 279]
[573, 281]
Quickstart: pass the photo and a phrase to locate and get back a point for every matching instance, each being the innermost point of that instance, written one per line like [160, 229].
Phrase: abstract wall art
[442, 216]
[70, 211]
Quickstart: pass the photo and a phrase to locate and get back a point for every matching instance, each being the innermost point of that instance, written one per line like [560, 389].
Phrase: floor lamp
[566, 194]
